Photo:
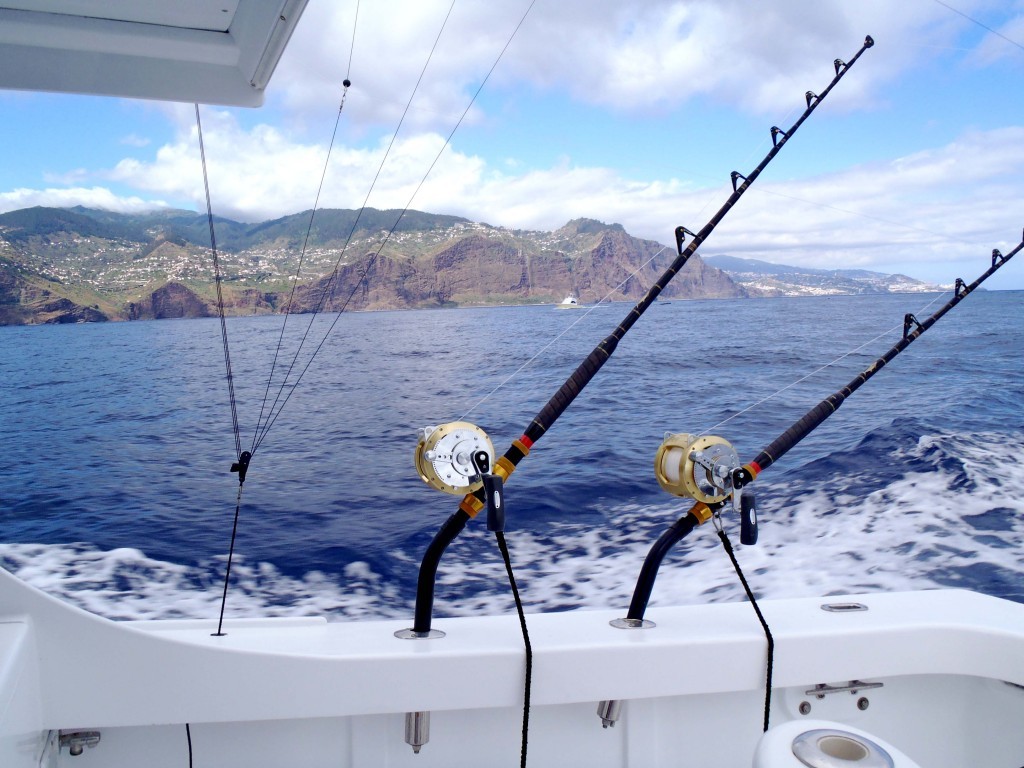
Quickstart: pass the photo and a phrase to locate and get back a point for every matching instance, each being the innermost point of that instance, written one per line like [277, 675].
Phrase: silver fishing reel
[696, 467]
[444, 456]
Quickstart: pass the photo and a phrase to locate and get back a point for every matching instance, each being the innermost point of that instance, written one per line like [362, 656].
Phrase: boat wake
[898, 511]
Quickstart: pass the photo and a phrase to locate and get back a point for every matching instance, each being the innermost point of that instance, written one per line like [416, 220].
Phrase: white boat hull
[311, 693]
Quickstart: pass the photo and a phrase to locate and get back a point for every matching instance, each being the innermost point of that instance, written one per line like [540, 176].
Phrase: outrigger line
[473, 502]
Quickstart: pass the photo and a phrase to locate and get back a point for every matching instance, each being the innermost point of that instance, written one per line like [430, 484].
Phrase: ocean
[116, 495]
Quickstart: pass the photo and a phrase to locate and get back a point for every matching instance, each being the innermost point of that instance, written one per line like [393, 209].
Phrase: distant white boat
[569, 302]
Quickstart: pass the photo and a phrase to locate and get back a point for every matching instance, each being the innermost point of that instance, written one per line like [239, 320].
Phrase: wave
[900, 510]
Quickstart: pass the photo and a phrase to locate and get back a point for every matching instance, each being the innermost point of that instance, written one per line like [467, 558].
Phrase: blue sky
[632, 111]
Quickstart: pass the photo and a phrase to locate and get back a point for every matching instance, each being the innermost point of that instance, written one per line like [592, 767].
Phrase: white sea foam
[125, 584]
[954, 517]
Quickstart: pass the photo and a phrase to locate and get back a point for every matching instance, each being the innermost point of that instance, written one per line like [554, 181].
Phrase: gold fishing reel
[696, 467]
[444, 456]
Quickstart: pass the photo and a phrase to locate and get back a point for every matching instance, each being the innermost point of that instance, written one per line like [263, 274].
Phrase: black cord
[526, 641]
[188, 735]
[764, 624]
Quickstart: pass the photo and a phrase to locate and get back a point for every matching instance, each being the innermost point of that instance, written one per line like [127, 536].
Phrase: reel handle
[748, 519]
[494, 491]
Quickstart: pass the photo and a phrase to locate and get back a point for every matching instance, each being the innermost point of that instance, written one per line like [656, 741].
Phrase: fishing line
[572, 325]
[709, 198]
[473, 502]
[983, 26]
[813, 373]
[329, 287]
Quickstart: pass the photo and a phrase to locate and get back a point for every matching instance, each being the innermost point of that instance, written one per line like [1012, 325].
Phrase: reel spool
[444, 456]
[694, 467]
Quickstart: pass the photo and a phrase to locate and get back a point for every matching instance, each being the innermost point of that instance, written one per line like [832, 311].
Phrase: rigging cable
[220, 295]
[305, 243]
[330, 285]
[278, 406]
[243, 457]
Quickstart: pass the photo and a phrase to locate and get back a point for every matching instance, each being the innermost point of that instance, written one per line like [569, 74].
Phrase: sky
[627, 111]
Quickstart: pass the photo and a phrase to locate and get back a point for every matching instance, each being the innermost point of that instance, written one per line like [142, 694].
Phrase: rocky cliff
[145, 270]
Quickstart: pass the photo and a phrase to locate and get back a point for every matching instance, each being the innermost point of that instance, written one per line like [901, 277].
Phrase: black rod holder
[428, 576]
[649, 572]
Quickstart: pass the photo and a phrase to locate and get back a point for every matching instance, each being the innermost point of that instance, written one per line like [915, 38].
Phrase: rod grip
[797, 432]
[561, 400]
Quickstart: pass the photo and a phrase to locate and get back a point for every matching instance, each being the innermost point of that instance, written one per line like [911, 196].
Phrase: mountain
[81, 264]
[762, 278]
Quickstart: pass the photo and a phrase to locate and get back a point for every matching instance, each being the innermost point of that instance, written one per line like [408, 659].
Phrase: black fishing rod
[781, 445]
[706, 468]
[474, 501]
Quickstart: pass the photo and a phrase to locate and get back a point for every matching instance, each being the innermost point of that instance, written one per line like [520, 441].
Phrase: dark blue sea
[117, 440]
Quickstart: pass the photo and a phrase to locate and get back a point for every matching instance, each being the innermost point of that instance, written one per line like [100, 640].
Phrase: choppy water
[114, 489]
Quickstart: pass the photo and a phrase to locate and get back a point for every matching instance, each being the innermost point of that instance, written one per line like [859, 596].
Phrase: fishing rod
[707, 469]
[444, 454]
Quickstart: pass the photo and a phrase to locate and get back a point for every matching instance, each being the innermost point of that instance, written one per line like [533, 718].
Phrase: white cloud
[872, 215]
[625, 55]
[641, 58]
[91, 197]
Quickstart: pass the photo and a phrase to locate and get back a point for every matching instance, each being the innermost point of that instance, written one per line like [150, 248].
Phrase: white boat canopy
[209, 51]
